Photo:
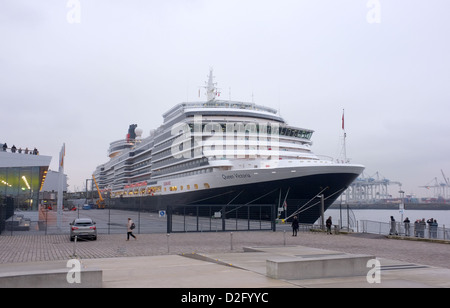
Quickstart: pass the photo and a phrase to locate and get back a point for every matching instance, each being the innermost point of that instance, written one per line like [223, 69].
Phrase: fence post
[109, 221]
[46, 221]
[168, 246]
[139, 220]
[169, 219]
[231, 240]
[223, 217]
[75, 247]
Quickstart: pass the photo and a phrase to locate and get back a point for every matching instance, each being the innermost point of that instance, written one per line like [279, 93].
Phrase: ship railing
[305, 227]
[412, 229]
[332, 159]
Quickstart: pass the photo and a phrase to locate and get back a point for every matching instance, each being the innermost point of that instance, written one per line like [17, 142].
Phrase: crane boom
[101, 202]
[445, 179]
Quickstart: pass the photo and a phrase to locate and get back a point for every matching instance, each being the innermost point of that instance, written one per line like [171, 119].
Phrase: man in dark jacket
[329, 223]
[295, 226]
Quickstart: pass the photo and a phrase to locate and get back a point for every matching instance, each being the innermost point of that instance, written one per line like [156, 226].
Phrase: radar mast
[211, 90]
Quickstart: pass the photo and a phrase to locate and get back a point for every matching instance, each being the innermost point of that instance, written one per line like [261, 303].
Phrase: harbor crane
[447, 186]
[440, 189]
[101, 204]
[445, 179]
[371, 189]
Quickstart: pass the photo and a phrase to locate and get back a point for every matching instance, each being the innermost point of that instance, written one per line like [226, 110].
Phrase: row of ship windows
[160, 169]
[168, 151]
[188, 187]
[282, 131]
[165, 144]
[204, 160]
[149, 191]
[189, 173]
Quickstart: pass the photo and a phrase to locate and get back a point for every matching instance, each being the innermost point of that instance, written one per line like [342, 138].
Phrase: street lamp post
[401, 206]
[322, 212]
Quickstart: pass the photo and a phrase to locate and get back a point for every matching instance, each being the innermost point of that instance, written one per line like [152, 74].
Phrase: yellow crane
[100, 202]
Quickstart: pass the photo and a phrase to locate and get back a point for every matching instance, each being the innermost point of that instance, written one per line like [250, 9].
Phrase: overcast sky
[81, 72]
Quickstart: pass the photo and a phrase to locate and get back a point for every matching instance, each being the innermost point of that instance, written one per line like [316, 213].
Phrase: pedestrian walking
[295, 226]
[130, 227]
[329, 223]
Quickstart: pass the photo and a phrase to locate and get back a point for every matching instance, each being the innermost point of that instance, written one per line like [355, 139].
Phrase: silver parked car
[83, 228]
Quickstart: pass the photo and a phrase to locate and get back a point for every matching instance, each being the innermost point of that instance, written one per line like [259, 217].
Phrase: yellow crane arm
[98, 189]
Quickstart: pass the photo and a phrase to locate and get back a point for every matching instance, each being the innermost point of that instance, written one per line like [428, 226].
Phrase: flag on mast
[62, 154]
[59, 203]
[344, 150]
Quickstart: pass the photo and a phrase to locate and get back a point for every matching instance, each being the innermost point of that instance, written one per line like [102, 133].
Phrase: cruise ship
[223, 152]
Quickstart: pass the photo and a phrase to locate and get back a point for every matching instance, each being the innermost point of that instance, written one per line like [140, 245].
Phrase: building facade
[22, 177]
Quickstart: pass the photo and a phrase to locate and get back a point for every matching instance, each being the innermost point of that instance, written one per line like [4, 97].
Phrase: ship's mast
[344, 146]
[211, 90]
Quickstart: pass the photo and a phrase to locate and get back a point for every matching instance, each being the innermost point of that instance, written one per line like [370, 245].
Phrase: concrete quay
[225, 260]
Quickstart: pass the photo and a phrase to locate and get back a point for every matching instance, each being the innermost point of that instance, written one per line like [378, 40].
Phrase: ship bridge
[218, 108]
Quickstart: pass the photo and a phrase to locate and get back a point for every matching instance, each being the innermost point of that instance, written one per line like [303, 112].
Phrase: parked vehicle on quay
[83, 228]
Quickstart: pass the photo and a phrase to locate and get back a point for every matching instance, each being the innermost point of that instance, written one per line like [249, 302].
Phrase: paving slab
[177, 272]
[49, 275]
[213, 263]
[393, 274]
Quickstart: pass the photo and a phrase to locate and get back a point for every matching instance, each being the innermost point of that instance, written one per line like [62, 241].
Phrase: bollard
[168, 246]
[231, 240]
[284, 235]
[75, 247]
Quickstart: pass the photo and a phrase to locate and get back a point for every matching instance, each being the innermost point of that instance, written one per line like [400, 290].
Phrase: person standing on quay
[329, 223]
[393, 230]
[407, 224]
[295, 226]
[130, 227]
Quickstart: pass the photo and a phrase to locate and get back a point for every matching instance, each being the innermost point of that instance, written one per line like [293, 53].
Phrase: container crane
[446, 182]
[440, 188]
[445, 179]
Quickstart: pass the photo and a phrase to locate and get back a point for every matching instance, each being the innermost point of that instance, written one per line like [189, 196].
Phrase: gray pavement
[218, 259]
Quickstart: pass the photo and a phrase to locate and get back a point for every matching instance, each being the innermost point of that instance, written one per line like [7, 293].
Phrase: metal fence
[419, 230]
[194, 219]
[107, 222]
[177, 219]
[213, 218]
